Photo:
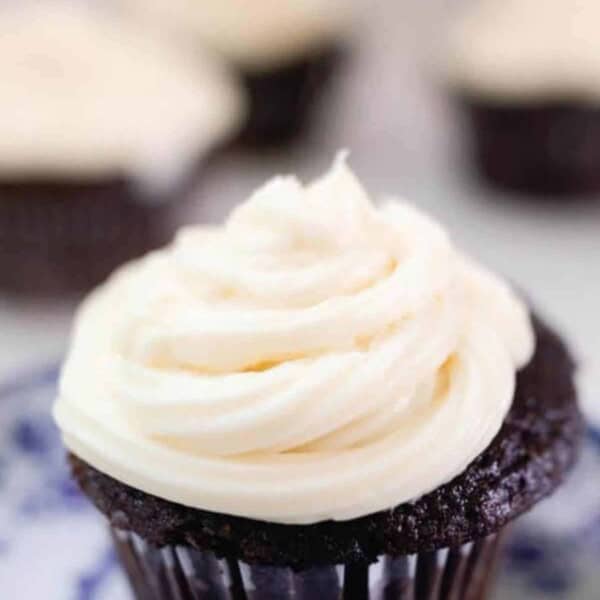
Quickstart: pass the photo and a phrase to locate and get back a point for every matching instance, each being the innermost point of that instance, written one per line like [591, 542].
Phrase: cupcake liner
[67, 237]
[282, 100]
[184, 573]
[546, 149]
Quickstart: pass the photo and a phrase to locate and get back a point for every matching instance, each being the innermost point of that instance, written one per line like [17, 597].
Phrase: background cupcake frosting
[74, 77]
[507, 49]
[259, 35]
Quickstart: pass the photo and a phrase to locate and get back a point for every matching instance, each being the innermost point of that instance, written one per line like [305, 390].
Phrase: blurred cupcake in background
[284, 52]
[528, 75]
[103, 132]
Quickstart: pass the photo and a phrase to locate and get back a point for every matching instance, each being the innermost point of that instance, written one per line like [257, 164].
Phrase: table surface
[404, 138]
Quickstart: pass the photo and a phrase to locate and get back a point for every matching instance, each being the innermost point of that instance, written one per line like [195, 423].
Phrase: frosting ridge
[314, 358]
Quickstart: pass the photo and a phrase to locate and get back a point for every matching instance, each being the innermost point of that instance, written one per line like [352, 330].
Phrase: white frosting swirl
[527, 49]
[86, 94]
[314, 358]
[255, 34]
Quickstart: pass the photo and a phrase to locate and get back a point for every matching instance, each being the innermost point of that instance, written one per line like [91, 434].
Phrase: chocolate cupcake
[284, 52]
[103, 132]
[527, 74]
[320, 399]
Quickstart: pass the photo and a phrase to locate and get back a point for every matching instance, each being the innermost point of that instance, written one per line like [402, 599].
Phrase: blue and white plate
[53, 544]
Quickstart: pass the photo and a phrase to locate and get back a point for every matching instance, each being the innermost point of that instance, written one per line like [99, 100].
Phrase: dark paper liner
[543, 149]
[184, 573]
[65, 237]
[282, 100]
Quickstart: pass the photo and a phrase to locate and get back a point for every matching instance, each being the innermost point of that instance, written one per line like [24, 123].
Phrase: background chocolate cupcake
[528, 75]
[318, 398]
[284, 52]
[103, 132]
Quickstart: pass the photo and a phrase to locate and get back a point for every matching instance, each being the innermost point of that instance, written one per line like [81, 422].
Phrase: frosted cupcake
[318, 398]
[528, 74]
[103, 131]
[284, 52]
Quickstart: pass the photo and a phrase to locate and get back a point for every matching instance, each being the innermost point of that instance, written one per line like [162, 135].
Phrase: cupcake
[284, 52]
[528, 75]
[318, 398]
[103, 131]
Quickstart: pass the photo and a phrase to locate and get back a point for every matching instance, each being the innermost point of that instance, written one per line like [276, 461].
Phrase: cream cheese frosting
[256, 34]
[527, 49]
[314, 358]
[85, 94]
